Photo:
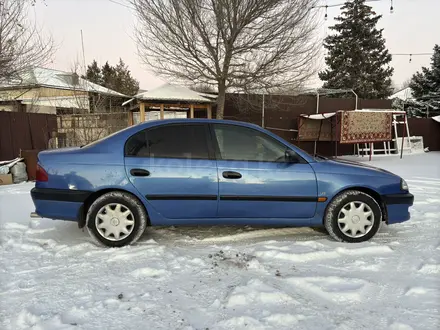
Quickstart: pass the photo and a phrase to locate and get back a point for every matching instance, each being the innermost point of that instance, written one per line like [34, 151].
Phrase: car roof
[159, 122]
[109, 142]
[130, 130]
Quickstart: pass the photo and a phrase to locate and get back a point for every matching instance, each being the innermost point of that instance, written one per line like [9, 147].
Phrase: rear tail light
[41, 174]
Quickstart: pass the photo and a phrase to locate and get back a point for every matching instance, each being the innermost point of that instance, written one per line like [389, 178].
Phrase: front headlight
[403, 185]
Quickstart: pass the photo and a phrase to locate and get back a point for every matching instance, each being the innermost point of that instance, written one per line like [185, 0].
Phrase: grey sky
[108, 29]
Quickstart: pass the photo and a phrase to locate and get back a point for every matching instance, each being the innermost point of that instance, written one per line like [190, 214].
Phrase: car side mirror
[291, 156]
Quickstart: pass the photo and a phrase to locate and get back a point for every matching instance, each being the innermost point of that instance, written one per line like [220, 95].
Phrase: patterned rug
[363, 127]
[311, 130]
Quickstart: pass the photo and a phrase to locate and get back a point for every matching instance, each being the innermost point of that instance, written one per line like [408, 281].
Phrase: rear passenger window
[136, 145]
[171, 141]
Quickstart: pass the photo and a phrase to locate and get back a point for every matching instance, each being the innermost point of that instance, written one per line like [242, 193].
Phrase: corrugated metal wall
[28, 131]
[282, 112]
[429, 129]
[24, 131]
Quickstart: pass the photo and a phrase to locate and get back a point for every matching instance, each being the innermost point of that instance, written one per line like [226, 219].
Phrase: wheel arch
[82, 212]
[369, 191]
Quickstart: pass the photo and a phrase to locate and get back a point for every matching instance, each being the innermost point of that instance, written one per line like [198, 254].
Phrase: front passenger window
[246, 144]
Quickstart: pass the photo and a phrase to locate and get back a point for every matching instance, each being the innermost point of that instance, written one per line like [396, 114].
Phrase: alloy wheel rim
[356, 219]
[114, 222]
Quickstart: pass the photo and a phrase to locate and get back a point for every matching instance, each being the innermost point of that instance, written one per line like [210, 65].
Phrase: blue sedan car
[211, 172]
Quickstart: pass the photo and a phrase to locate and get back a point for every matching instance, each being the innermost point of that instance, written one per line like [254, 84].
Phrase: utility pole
[83, 53]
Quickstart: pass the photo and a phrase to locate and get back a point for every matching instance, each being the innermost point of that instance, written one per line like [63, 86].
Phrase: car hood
[359, 164]
[347, 166]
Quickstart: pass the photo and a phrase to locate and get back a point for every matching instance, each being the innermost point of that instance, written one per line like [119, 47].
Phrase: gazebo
[168, 101]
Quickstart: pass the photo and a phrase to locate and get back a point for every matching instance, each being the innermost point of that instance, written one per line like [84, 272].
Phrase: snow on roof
[382, 110]
[325, 91]
[71, 102]
[403, 94]
[57, 79]
[437, 119]
[171, 92]
[319, 116]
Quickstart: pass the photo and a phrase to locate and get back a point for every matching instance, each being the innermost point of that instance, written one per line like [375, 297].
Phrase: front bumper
[406, 199]
[397, 206]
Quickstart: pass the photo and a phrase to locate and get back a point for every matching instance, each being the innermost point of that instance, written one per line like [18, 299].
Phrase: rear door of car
[256, 181]
[174, 167]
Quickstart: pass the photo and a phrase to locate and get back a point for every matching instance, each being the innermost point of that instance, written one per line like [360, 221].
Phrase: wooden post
[209, 111]
[130, 118]
[191, 111]
[162, 114]
[403, 137]
[142, 110]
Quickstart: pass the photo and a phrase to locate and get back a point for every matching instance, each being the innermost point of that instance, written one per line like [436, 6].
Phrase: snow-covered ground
[53, 277]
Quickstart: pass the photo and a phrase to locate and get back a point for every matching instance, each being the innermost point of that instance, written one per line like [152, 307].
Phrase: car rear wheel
[353, 216]
[116, 219]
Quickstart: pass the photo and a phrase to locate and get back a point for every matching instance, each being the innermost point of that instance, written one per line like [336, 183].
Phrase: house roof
[171, 92]
[403, 94]
[43, 77]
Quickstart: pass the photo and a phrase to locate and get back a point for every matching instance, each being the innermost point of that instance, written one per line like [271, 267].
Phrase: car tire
[116, 219]
[349, 214]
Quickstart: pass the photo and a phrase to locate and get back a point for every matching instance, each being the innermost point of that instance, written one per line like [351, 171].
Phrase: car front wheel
[353, 216]
[116, 219]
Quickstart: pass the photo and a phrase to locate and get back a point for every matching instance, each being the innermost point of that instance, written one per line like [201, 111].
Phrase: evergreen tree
[108, 76]
[357, 57]
[93, 73]
[124, 82]
[117, 78]
[426, 88]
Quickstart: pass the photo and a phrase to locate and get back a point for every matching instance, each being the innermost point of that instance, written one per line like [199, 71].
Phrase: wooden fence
[24, 131]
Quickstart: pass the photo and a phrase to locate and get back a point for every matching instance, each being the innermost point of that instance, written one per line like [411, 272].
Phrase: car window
[242, 143]
[171, 141]
[136, 145]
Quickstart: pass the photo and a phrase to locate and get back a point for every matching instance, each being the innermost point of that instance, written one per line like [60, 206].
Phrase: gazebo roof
[171, 92]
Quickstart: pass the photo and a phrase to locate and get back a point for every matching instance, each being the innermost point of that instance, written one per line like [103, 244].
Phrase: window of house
[246, 144]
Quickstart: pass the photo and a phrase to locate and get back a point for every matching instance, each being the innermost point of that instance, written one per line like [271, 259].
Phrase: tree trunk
[221, 99]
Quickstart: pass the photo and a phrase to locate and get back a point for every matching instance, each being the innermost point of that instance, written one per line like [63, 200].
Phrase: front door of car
[255, 178]
[173, 167]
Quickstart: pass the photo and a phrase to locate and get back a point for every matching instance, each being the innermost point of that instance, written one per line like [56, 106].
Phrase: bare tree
[241, 45]
[91, 115]
[22, 44]
[406, 83]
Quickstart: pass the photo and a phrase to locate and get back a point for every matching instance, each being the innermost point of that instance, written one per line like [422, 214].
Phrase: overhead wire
[121, 4]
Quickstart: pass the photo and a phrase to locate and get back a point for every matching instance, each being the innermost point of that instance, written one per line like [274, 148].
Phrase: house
[57, 92]
[403, 94]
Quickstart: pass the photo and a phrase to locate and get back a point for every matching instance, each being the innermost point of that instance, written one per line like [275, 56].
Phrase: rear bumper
[60, 195]
[62, 204]
[398, 207]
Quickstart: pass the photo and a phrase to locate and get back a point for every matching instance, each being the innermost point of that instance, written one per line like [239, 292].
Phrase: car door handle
[139, 172]
[231, 175]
